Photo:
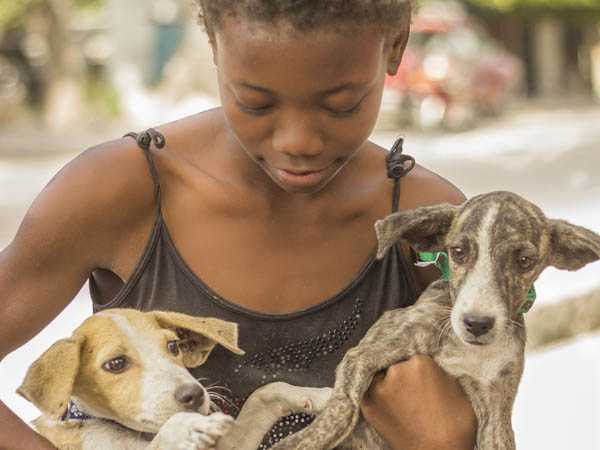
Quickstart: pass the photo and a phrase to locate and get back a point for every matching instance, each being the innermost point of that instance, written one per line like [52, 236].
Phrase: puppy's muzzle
[478, 325]
[190, 395]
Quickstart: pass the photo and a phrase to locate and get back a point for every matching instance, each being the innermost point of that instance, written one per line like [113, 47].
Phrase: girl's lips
[301, 172]
[301, 179]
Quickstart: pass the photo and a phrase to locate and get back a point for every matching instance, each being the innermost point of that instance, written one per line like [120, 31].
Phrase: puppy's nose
[190, 395]
[478, 325]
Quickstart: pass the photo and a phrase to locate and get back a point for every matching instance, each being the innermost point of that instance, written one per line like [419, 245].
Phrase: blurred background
[492, 94]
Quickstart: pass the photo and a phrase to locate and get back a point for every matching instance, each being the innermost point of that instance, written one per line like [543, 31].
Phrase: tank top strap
[398, 165]
[144, 140]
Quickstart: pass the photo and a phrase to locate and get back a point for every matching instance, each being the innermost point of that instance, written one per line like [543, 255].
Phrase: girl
[260, 212]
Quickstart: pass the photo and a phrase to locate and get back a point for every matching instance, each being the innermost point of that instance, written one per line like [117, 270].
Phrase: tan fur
[202, 333]
[73, 369]
[65, 437]
[50, 389]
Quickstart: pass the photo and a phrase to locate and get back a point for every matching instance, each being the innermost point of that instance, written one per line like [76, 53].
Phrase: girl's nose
[297, 136]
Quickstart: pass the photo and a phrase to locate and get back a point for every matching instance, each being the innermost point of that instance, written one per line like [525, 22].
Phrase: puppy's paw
[192, 431]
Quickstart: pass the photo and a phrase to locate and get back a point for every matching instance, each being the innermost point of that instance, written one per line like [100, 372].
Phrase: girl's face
[300, 104]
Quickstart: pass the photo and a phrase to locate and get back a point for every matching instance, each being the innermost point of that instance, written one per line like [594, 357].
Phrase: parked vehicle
[452, 72]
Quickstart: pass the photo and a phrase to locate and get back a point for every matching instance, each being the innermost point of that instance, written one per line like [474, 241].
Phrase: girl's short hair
[306, 15]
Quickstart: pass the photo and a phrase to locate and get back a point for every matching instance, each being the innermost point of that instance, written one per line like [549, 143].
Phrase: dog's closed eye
[116, 365]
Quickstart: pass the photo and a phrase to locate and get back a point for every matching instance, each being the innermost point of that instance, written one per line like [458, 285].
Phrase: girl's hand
[416, 405]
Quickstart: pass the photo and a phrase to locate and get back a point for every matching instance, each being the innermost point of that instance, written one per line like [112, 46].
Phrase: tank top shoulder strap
[144, 140]
[398, 166]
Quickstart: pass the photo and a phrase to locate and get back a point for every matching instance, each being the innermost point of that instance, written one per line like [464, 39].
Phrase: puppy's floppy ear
[424, 228]
[199, 335]
[572, 247]
[49, 380]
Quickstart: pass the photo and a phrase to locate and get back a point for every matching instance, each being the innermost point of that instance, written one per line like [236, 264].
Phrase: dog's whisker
[224, 400]
[444, 329]
[213, 407]
[517, 324]
[442, 323]
[215, 385]
[218, 388]
[212, 394]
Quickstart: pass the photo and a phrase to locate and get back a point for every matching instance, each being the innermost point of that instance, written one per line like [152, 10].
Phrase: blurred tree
[13, 13]
[63, 69]
[557, 323]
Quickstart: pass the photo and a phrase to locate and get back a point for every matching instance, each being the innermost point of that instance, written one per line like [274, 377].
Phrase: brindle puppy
[498, 245]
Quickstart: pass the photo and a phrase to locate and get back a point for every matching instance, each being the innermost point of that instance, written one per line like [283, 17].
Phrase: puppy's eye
[173, 347]
[458, 254]
[116, 365]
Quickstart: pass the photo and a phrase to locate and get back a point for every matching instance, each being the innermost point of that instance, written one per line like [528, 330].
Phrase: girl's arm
[16, 435]
[415, 405]
[74, 226]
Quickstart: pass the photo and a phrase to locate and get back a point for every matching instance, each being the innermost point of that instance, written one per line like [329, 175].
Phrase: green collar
[440, 260]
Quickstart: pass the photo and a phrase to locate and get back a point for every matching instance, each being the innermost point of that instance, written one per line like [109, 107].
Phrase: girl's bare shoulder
[114, 180]
[420, 187]
[423, 187]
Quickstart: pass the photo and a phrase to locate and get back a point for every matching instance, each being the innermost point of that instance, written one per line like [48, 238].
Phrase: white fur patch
[479, 294]
[161, 376]
[483, 363]
[100, 435]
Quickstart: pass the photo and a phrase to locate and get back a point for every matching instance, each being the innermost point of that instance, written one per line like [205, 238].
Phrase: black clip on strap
[145, 138]
[398, 166]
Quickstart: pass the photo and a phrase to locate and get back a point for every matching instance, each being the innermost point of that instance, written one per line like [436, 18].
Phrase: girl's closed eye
[252, 102]
[261, 109]
[344, 104]
[255, 110]
[345, 112]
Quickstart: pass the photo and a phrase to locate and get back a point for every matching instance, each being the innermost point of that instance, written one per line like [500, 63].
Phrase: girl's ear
[396, 51]
[213, 47]
[396, 44]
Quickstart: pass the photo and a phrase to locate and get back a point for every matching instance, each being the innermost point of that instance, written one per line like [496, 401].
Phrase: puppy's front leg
[378, 350]
[495, 430]
[492, 405]
[191, 431]
[496, 433]
[265, 407]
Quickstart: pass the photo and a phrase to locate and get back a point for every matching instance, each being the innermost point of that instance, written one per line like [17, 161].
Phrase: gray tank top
[302, 348]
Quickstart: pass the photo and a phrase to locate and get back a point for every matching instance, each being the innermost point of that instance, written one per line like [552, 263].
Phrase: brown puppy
[472, 325]
[127, 371]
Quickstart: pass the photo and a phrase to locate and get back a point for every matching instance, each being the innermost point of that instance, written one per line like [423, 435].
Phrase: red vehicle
[452, 72]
